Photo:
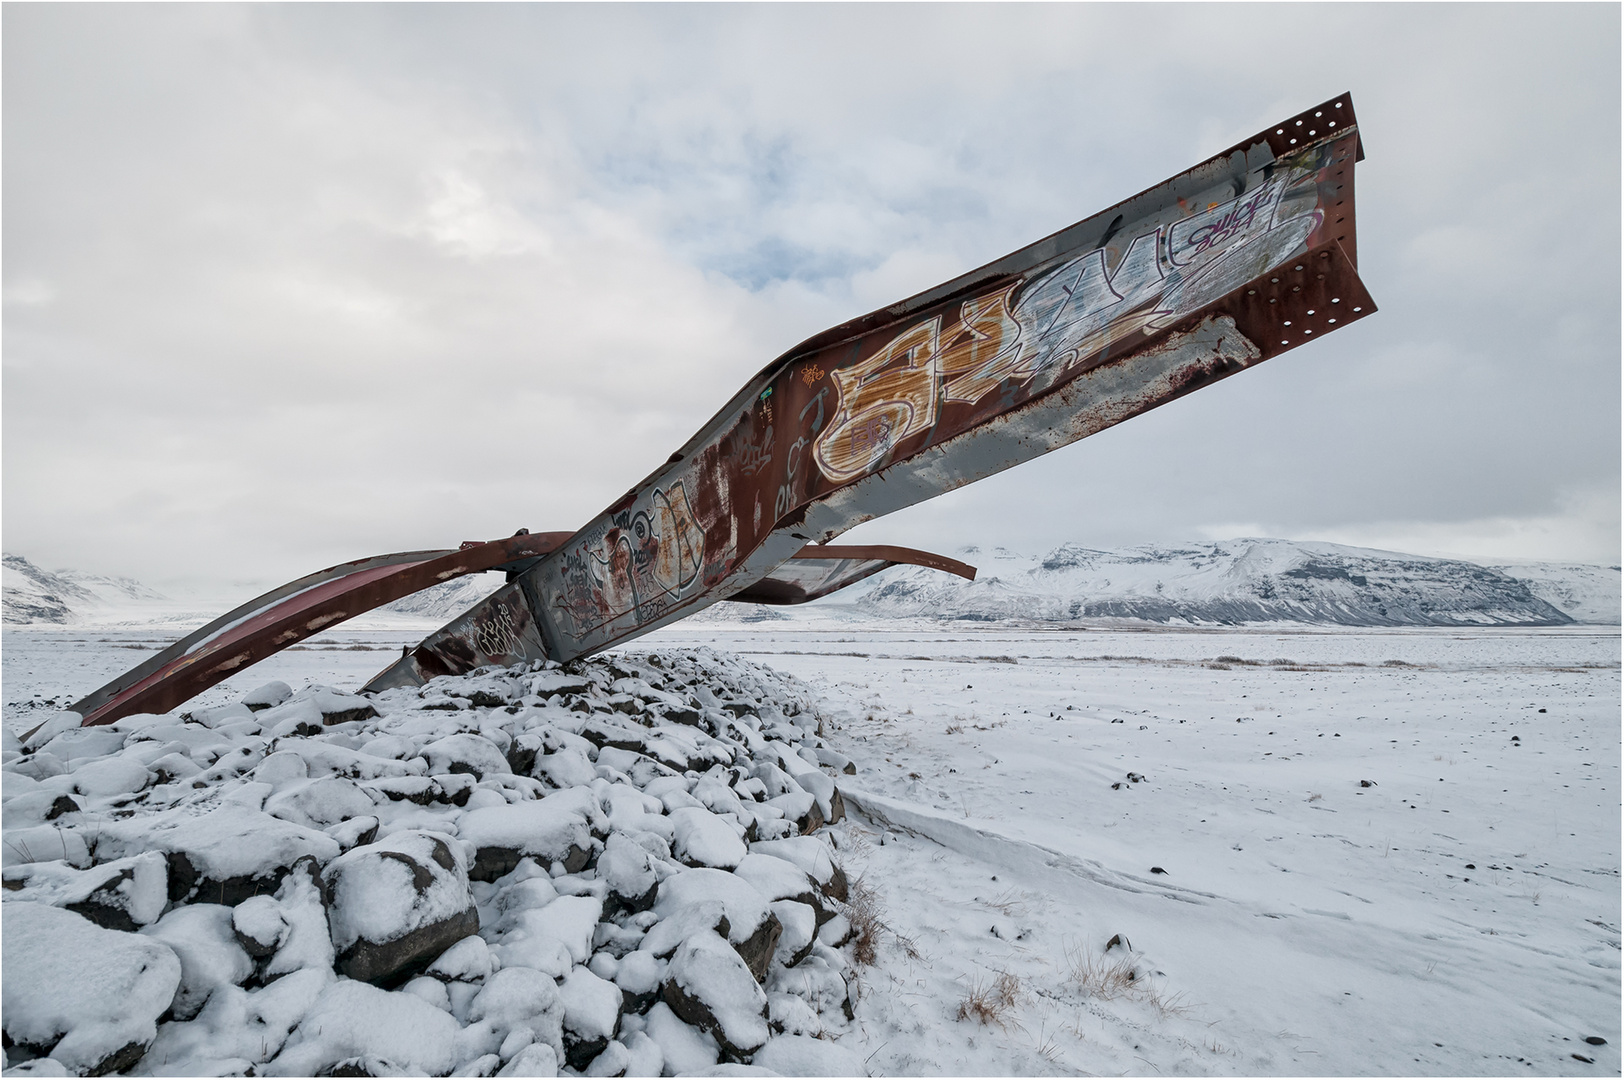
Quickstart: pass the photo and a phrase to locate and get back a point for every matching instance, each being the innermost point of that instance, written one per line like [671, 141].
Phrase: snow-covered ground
[1461, 915]
[1023, 796]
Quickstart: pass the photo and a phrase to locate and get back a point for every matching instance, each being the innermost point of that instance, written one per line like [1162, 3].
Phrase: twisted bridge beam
[1239, 259]
[1243, 257]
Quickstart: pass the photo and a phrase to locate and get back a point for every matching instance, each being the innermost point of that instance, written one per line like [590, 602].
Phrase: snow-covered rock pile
[610, 868]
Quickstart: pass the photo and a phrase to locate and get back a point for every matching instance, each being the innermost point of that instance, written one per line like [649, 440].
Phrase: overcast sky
[289, 285]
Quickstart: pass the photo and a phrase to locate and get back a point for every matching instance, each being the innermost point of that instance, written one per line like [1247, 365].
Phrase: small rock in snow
[258, 925]
[469, 960]
[268, 696]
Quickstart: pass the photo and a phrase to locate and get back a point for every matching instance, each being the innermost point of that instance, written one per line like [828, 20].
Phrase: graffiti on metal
[1234, 261]
[874, 398]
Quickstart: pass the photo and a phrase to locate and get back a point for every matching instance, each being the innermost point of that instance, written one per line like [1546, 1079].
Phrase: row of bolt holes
[1299, 288]
[1311, 131]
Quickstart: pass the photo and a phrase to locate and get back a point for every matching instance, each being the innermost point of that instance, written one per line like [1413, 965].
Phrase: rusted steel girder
[289, 614]
[819, 570]
[270, 623]
[1237, 260]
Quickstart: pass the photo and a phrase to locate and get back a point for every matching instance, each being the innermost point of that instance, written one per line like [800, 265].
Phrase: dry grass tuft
[1102, 978]
[864, 908]
[990, 1003]
[1108, 979]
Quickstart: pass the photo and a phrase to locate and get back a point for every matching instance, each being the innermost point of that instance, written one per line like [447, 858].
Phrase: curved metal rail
[290, 613]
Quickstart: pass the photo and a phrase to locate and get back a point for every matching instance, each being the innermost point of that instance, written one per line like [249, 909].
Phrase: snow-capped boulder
[268, 696]
[54, 725]
[397, 904]
[812, 856]
[319, 803]
[88, 997]
[124, 894]
[706, 839]
[45, 843]
[709, 986]
[106, 777]
[305, 942]
[534, 1059]
[752, 929]
[78, 745]
[687, 1050]
[258, 925]
[469, 960]
[552, 938]
[353, 1019]
[629, 871]
[312, 709]
[220, 714]
[591, 1015]
[553, 829]
[223, 856]
[800, 923]
[780, 879]
[548, 683]
[638, 975]
[38, 807]
[517, 997]
[465, 752]
[210, 954]
[643, 1055]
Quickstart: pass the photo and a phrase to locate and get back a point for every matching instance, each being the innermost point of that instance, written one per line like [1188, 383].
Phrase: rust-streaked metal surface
[1235, 261]
[288, 614]
[1241, 258]
[502, 626]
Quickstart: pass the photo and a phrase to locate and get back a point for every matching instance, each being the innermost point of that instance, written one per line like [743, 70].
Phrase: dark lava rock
[360, 884]
[757, 949]
[709, 986]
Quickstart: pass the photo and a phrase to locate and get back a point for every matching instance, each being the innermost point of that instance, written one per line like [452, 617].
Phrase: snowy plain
[1460, 915]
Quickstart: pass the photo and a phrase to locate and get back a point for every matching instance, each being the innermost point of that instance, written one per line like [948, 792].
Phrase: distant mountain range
[1233, 582]
[33, 595]
[1225, 583]
[449, 599]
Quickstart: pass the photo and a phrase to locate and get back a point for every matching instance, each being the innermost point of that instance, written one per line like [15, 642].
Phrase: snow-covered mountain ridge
[1226, 582]
[1233, 582]
[35, 596]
